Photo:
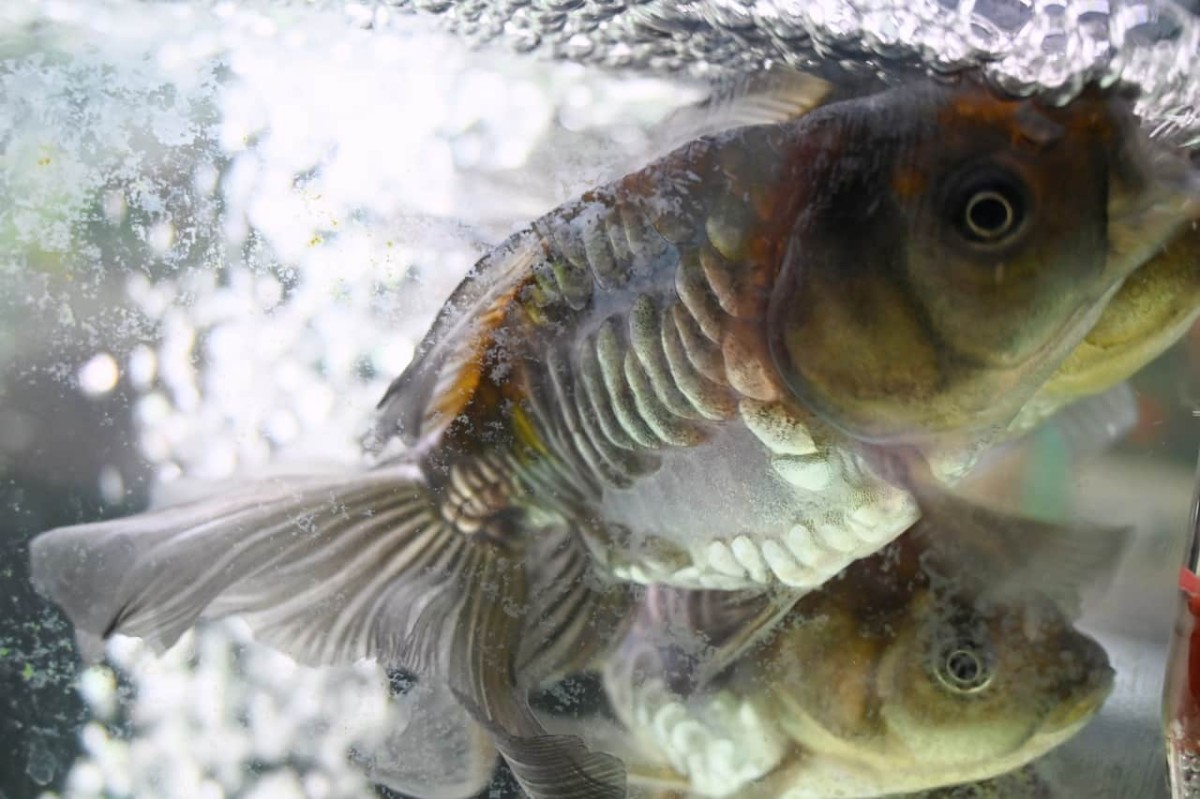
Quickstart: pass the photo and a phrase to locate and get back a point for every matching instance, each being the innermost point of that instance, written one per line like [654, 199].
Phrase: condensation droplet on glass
[99, 375]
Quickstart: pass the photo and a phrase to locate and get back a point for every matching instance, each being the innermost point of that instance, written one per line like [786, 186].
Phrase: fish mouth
[1069, 716]
[1073, 715]
[1171, 200]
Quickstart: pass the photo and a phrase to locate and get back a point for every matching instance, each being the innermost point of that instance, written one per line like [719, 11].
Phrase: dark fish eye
[988, 209]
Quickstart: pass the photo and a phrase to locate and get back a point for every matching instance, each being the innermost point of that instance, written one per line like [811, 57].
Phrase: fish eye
[988, 208]
[964, 665]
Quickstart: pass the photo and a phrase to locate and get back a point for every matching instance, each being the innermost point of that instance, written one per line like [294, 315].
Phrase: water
[224, 225]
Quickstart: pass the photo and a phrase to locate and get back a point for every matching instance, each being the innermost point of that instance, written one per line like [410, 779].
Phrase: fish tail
[330, 570]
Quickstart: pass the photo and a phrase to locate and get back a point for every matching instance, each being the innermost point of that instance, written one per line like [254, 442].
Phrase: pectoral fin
[1004, 554]
[702, 633]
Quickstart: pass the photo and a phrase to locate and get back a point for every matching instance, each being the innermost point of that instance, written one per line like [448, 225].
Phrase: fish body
[890, 679]
[671, 362]
[683, 377]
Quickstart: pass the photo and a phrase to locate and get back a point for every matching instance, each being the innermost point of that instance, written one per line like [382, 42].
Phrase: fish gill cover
[224, 226]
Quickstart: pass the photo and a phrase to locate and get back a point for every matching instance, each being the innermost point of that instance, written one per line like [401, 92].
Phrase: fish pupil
[990, 215]
[964, 669]
[987, 206]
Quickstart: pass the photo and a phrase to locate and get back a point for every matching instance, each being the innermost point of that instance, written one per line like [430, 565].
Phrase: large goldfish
[688, 376]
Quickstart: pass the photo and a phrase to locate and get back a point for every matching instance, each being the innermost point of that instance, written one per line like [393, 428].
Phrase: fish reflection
[687, 377]
[907, 672]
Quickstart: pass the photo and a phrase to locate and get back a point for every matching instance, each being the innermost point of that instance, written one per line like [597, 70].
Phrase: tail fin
[329, 570]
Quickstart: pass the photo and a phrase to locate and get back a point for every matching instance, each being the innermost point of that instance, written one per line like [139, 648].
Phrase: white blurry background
[222, 228]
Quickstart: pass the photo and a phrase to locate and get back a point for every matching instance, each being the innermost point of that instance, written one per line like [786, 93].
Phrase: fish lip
[1088, 698]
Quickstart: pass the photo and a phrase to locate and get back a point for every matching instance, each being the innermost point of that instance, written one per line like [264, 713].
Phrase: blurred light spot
[161, 237]
[86, 779]
[210, 790]
[93, 737]
[112, 485]
[204, 179]
[282, 427]
[152, 409]
[217, 461]
[98, 687]
[315, 402]
[99, 375]
[317, 785]
[168, 473]
[268, 291]
[279, 785]
[391, 358]
[154, 446]
[143, 364]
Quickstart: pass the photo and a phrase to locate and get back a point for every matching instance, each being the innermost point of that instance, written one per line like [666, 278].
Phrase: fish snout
[1086, 684]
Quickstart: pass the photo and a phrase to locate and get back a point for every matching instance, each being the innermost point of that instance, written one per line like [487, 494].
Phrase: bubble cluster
[232, 252]
[220, 716]
[1051, 46]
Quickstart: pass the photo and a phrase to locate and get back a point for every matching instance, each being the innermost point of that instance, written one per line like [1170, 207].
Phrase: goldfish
[702, 375]
[910, 671]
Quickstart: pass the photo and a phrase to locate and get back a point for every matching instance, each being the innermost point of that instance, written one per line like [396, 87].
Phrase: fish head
[977, 688]
[950, 247]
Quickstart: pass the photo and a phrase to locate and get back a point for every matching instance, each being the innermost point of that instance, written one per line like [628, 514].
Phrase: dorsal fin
[761, 98]
[446, 369]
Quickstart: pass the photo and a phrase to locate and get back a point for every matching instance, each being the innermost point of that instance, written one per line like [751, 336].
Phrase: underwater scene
[580, 399]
